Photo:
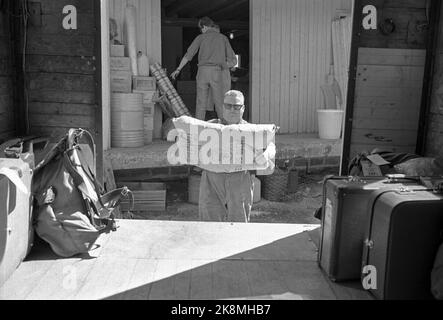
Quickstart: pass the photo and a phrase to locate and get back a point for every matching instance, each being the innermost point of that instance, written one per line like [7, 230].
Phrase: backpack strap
[113, 199]
[85, 180]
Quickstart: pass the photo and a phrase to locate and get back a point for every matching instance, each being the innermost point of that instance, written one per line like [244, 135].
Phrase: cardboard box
[144, 83]
[149, 108]
[158, 121]
[148, 114]
[117, 50]
[148, 136]
[121, 81]
[120, 64]
[148, 96]
[148, 196]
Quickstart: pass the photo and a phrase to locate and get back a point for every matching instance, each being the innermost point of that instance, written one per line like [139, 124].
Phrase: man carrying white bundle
[227, 197]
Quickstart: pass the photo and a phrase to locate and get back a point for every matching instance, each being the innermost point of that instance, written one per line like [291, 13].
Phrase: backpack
[355, 165]
[70, 209]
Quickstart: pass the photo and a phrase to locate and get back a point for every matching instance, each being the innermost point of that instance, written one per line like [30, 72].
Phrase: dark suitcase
[402, 239]
[344, 222]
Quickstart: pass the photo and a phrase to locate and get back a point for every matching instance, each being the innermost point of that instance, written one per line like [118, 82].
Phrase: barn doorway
[179, 29]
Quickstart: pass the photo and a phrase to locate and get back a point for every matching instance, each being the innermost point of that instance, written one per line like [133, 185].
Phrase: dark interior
[179, 28]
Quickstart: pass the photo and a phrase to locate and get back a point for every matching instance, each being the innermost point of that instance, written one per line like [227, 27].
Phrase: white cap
[234, 97]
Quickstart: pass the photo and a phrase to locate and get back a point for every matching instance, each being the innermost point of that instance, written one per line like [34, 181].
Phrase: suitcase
[16, 231]
[18, 157]
[344, 223]
[404, 233]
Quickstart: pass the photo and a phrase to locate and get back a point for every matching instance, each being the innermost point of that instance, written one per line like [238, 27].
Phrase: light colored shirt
[213, 49]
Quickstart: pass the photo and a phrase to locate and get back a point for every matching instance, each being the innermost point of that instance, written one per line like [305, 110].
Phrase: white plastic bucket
[330, 123]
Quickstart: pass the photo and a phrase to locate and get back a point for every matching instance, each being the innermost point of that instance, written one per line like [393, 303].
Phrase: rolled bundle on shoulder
[222, 148]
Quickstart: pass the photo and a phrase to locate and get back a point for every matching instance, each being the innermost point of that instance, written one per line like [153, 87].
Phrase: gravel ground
[297, 208]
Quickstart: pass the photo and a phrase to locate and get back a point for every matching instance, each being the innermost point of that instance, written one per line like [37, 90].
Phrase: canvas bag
[71, 211]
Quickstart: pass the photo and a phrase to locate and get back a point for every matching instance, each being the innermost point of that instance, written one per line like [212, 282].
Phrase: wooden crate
[117, 50]
[120, 64]
[148, 196]
[148, 116]
[144, 83]
[121, 81]
[148, 96]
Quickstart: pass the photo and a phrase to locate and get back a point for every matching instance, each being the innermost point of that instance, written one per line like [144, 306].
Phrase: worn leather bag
[71, 211]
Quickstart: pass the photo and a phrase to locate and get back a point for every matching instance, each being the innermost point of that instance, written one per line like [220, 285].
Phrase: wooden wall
[61, 65]
[7, 114]
[387, 99]
[148, 25]
[409, 16]
[389, 80]
[434, 146]
[291, 54]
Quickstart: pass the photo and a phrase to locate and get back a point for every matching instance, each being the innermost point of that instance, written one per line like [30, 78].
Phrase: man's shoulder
[213, 35]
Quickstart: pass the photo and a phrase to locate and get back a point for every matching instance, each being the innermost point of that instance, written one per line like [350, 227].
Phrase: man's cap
[234, 97]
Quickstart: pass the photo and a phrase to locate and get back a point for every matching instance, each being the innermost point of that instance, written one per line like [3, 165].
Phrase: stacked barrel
[165, 85]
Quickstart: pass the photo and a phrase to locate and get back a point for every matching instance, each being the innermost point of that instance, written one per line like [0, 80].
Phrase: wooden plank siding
[291, 54]
[61, 71]
[7, 113]
[391, 97]
[407, 15]
[148, 25]
[434, 140]
[387, 99]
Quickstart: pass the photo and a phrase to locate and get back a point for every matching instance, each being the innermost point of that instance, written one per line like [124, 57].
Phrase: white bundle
[223, 149]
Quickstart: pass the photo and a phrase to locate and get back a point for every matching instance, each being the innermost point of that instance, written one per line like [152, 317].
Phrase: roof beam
[227, 9]
[166, 3]
[209, 9]
[191, 22]
[180, 5]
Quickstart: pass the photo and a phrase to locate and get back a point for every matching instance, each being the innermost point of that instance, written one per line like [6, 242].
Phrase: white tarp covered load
[220, 148]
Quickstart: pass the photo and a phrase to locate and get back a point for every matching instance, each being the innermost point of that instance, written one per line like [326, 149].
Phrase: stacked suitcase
[391, 224]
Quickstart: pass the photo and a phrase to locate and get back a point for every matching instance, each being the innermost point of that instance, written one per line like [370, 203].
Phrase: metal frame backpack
[71, 211]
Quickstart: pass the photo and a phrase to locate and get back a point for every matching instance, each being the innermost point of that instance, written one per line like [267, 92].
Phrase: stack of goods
[121, 75]
[166, 87]
[126, 106]
[147, 88]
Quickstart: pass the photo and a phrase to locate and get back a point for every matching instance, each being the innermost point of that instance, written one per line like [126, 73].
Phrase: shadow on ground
[295, 208]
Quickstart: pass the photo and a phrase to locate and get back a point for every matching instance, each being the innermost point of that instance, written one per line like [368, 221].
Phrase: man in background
[226, 75]
[214, 58]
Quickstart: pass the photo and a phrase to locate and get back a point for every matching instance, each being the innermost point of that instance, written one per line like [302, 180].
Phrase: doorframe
[349, 113]
[428, 81]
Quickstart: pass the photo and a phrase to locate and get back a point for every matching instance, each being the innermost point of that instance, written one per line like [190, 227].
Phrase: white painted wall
[291, 54]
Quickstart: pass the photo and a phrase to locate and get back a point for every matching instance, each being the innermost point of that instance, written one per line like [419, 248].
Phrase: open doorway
[286, 49]
[179, 29]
